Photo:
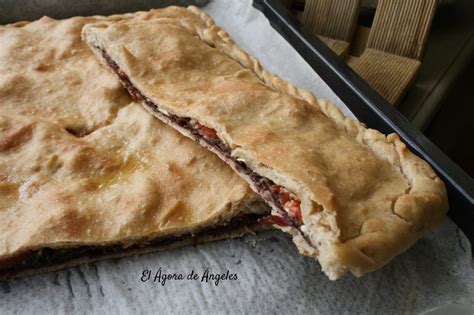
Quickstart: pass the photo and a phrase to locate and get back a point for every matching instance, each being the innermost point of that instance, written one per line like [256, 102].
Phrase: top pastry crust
[364, 196]
[45, 71]
[128, 179]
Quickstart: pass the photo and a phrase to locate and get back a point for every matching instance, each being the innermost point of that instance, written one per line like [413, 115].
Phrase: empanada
[351, 197]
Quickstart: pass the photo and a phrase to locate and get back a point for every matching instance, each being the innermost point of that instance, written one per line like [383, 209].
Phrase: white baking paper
[271, 277]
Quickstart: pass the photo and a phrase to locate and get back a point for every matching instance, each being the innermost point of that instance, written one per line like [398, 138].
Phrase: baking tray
[28, 10]
[273, 276]
[372, 109]
[364, 102]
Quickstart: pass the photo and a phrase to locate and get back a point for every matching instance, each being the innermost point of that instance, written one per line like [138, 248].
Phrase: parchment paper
[271, 276]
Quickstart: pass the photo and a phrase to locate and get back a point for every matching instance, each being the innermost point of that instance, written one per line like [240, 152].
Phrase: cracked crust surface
[377, 197]
[39, 59]
[126, 179]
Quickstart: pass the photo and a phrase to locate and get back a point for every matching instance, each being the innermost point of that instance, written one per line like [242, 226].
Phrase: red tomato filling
[294, 209]
[209, 133]
[282, 197]
[289, 202]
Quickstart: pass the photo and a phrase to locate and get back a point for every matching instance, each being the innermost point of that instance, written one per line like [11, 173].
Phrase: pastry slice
[85, 174]
[351, 197]
[132, 187]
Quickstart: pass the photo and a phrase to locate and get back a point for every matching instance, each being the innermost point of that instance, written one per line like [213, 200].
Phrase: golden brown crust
[39, 59]
[127, 177]
[131, 180]
[377, 196]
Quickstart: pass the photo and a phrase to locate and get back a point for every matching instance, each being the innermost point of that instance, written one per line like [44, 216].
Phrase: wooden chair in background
[395, 46]
[333, 21]
[393, 51]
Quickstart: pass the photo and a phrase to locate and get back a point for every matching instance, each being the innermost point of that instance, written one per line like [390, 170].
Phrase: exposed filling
[58, 256]
[79, 133]
[286, 202]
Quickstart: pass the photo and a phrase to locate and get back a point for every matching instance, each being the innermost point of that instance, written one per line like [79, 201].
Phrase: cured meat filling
[286, 202]
[283, 199]
[46, 257]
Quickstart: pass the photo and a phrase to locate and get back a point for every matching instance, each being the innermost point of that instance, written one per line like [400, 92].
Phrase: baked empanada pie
[351, 197]
[87, 174]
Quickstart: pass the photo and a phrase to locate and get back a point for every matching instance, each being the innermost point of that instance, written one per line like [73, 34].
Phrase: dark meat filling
[57, 256]
[79, 133]
[285, 201]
